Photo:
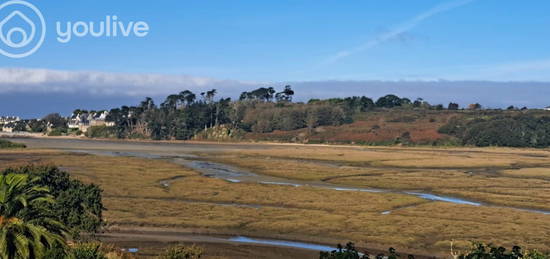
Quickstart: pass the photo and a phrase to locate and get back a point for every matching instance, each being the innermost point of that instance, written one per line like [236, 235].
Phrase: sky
[492, 51]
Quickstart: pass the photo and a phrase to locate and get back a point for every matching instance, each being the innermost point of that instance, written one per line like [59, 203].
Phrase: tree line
[184, 115]
[181, 116]
[514, 130]
[263, 110]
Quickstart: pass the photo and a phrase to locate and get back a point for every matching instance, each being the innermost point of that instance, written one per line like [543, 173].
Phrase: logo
[111, 27]
[22, 29]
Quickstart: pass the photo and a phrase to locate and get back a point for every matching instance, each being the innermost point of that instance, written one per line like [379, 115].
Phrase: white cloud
[102, 83]
[67, 85]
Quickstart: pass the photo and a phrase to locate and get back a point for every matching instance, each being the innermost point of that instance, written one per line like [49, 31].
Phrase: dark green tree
[389, 101]
[26, 230]
[78, 206]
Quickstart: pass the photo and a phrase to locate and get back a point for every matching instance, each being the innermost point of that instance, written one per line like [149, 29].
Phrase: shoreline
[8, 135]
[166, 236]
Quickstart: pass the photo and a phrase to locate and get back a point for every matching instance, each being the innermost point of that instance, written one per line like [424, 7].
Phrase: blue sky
[297, 41]
[287, 40]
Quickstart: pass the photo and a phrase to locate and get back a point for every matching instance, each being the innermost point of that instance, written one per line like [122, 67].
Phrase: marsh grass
[505, 177]
[135, 197]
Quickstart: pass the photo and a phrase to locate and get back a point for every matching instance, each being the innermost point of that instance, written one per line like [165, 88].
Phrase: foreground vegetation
[182, 252]
[41, 208]
[27, 230]
[478, 251]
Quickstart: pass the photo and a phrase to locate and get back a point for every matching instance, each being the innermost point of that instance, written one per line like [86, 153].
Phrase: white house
[9, 127]
[83, 121]
[9, 119]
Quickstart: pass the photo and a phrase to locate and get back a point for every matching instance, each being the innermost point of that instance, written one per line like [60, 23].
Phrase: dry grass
[526, 193]
[529, 172]
[135, 197]
[505, 177]
[420, 157]
[290, 168]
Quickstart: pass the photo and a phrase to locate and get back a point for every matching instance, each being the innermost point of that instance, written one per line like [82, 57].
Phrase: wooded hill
[267, 115]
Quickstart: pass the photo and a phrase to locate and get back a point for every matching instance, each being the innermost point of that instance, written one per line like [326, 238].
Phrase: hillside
[374, 128]
[404, 126]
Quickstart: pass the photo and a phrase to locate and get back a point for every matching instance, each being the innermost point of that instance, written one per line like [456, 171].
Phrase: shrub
[57, 252]
[481, 251]
[477, 251]
[408, 119]
[88, 251]
[97, 250]
[5, 144]
[78, 206]
[55, 133]
[534, 254]
[100, 132]
[182, 252]
[350, 252]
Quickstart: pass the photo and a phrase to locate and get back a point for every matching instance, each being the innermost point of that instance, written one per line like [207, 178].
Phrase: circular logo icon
[22, 29]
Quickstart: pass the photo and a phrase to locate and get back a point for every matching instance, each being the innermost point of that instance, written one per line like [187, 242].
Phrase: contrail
[404, 27]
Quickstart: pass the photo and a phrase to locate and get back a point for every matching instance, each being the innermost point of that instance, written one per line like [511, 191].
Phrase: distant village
[78, 123]
[83, 121]
[8, 123]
